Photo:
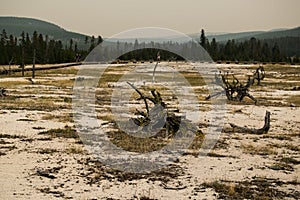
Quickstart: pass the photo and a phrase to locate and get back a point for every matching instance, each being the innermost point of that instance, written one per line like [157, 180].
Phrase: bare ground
[41, 156]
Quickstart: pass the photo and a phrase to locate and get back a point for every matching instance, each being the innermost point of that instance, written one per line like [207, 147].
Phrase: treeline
[252, 49]
[285, 49]
[20, 50]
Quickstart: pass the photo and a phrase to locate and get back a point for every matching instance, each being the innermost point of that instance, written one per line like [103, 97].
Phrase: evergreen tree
[71, 44]
[213, 49]
[100, 40]
[92, 46]
[203, 39]
[265, 53]
[86, 40]
[276, 53]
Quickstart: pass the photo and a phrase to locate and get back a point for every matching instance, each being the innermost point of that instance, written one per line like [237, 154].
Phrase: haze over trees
[19, 49]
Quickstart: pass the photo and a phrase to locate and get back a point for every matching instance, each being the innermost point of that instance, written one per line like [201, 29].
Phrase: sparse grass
[197, 142]
[54, 72]
[149, 144]
[10, 147]
[134, 144]
[282, 69]
[294, 100]
[11, 136]
[108, 117]
[67, 99]
[75, 150]
[64, 117]
[292, 147]
[109, 75]
[195, 79]
[43, 104]
[259, 150]
[281, 166]
[289, 160]
[66, 132]
[288, 145]
[260, 189]
[5, 142]
[62, 84]
[100, 172]
[47, 151]
[13, 84]
[278, 137]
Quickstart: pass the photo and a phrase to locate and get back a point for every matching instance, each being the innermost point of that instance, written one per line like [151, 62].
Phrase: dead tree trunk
[23, 62]
[259, 74]
[262, 130]
[33, 64]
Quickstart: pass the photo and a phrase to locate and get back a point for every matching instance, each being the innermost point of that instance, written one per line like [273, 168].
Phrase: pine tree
[276, 53]
[92, 46]
[100, 40]
[213, 49]
[203, 39]
[71, 45]
[86, 40]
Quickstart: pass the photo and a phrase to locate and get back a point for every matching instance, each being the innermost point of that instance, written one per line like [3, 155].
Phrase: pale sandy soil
[40, 166]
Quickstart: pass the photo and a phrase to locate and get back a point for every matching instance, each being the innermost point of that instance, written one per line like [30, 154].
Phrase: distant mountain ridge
[16, 25]
[241, 36]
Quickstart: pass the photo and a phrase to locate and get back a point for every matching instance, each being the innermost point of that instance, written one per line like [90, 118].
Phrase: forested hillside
[21, 37]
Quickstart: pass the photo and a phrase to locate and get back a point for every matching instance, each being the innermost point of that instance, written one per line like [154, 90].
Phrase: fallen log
[44, 173]
[4, 71]
[259, 131]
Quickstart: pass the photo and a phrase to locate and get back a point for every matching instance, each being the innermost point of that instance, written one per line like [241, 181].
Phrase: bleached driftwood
[262, 130]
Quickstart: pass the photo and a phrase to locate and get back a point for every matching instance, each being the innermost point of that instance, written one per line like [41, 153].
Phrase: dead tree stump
[160, 117]
[259, 74]
[234, 89]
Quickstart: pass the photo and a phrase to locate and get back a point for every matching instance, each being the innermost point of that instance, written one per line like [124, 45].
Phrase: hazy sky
[108, 17]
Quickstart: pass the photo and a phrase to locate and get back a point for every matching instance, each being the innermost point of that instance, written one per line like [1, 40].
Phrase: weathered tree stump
[234, 89]
[259, 74]
[159, 116]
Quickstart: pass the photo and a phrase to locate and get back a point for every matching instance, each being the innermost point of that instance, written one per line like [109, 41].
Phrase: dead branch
[234, 89]
[262, 130]
[141, 96]
[2, 92]
[158, 59]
